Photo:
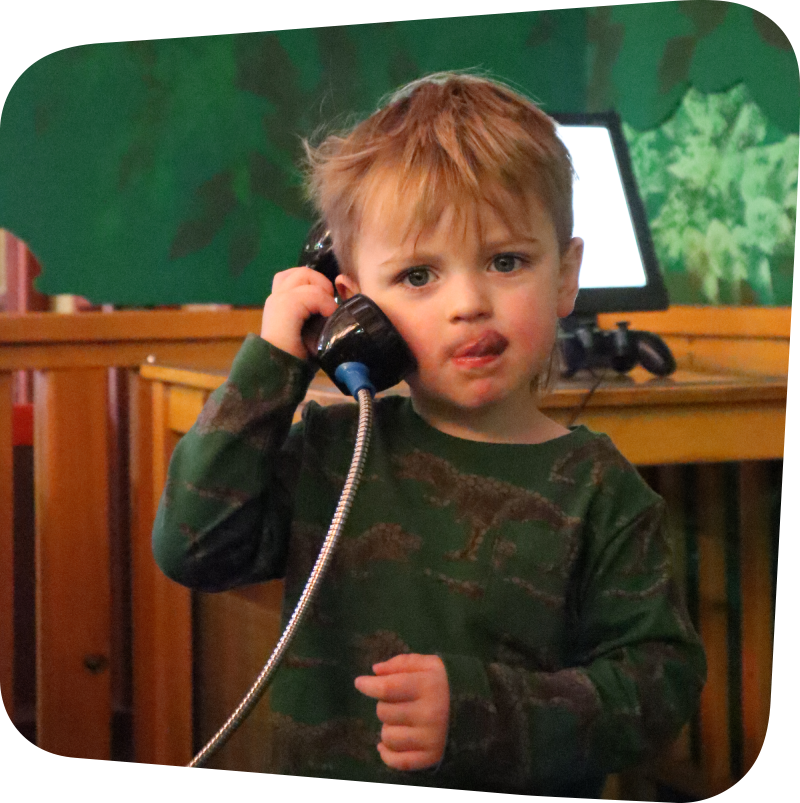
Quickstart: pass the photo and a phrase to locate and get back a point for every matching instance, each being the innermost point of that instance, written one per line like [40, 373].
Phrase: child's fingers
[405, 760]
[295, 277]
[397, 688]
[400, 738]
[406, 662]
[313, 299]
[369, 686]
[285, 313]
[289, 310]
[397, 713]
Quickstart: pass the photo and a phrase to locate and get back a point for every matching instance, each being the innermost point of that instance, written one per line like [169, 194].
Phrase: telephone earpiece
[358, 332]
[317, 253]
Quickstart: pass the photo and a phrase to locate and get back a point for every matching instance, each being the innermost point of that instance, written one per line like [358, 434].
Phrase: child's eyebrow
[417, 257]
[422, 257]
[506, 243]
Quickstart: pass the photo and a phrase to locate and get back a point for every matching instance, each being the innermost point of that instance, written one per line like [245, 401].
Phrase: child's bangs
[413, 200]
[451, 141]
[409, 201]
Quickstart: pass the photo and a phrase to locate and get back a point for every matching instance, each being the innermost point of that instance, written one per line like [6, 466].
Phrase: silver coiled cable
[315, 578]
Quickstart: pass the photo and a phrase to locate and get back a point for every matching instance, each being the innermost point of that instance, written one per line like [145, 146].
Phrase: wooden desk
[689, 418]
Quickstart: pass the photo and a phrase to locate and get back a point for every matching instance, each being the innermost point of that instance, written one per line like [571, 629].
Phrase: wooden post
[713, 615]
[672, 488]
[162, 615]
[6, 546]
[756, 585]
[173, 636]
[141, 495]
[73, 596]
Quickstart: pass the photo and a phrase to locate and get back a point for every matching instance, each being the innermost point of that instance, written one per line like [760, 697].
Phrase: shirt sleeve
[225, 514]
[636, 678]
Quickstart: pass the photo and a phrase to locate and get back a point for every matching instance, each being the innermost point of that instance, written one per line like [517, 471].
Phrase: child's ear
[346, 286]
[568, 277]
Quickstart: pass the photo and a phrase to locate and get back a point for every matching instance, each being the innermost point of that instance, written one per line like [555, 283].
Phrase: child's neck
[525, 423]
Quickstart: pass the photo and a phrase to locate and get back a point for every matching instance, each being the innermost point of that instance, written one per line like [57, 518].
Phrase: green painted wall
[164, 172]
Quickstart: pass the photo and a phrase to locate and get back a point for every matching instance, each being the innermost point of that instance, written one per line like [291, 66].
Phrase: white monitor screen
[602, 217]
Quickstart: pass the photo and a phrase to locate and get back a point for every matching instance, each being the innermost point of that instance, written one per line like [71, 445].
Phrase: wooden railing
[85, 369]
[88, 459]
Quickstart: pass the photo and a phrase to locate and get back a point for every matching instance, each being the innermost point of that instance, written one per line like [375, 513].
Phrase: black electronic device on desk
[621, 349]
[620, 272]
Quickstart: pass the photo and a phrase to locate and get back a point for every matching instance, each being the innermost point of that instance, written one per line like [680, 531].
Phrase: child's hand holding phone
[296, 294]
[413, 696]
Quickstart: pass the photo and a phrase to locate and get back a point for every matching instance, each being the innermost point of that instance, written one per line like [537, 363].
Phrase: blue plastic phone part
[355, 376]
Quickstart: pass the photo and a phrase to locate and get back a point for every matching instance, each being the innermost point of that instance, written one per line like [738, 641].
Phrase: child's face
[476, 301]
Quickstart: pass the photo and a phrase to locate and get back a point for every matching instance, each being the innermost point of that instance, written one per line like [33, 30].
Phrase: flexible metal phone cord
[340, 516]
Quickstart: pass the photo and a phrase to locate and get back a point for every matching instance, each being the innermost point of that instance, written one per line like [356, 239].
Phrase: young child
[501, 612]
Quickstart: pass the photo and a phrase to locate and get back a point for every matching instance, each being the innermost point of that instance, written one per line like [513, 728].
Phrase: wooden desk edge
[199, 378]
[697, 388]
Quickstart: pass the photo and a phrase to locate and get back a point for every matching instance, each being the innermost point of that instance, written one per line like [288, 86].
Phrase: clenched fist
[413, 697]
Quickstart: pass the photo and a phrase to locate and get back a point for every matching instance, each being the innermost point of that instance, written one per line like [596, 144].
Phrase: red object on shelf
[22, 268]
[21, 296]
[22, 425]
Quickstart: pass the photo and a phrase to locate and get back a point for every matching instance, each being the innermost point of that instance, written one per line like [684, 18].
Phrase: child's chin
[471, 398]
[474, 401]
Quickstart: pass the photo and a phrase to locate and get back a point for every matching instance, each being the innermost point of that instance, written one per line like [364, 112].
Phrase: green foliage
[721, 198]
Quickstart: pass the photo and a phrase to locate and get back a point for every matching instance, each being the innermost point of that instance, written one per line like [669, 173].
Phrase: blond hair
[448, 138]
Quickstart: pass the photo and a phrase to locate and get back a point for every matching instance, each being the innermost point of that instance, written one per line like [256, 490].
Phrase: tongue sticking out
[492, 343]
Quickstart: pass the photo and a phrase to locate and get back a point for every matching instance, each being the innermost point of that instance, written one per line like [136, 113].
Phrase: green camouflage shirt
[541, 574]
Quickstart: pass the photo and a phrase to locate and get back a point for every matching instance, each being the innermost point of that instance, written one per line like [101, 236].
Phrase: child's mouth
[488, 346]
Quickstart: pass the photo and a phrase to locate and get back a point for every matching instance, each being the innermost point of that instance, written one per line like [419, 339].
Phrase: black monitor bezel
[653, 295]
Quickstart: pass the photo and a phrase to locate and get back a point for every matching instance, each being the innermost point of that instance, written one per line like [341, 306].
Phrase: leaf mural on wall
[233, 204]
[265, 68]
[543, 30]
[216, 201]
[705, 14]
[272, 183]
[245, 241]
[149, 120]
[721, 199]
[673, 69]
[668, 48]
[770, 32]
[402, 68]
[605, 38]
[676, 61]
[340, 93]
[166, 172]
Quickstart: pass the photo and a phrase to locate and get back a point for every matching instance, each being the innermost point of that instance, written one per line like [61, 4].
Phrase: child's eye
[417, 277]
[506, 263]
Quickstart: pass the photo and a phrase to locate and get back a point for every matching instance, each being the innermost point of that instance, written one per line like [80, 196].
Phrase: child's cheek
[420, 340]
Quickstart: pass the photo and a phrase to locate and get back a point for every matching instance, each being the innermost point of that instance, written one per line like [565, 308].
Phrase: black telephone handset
[358, 332]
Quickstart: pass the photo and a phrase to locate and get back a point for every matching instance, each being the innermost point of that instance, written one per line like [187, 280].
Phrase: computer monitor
[620, 271]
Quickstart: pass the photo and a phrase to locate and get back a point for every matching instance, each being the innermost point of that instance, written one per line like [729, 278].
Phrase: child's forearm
[541, 732]
[635, 669]
[224, 515]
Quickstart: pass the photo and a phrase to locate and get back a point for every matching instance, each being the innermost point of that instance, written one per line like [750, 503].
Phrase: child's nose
[468, 299]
